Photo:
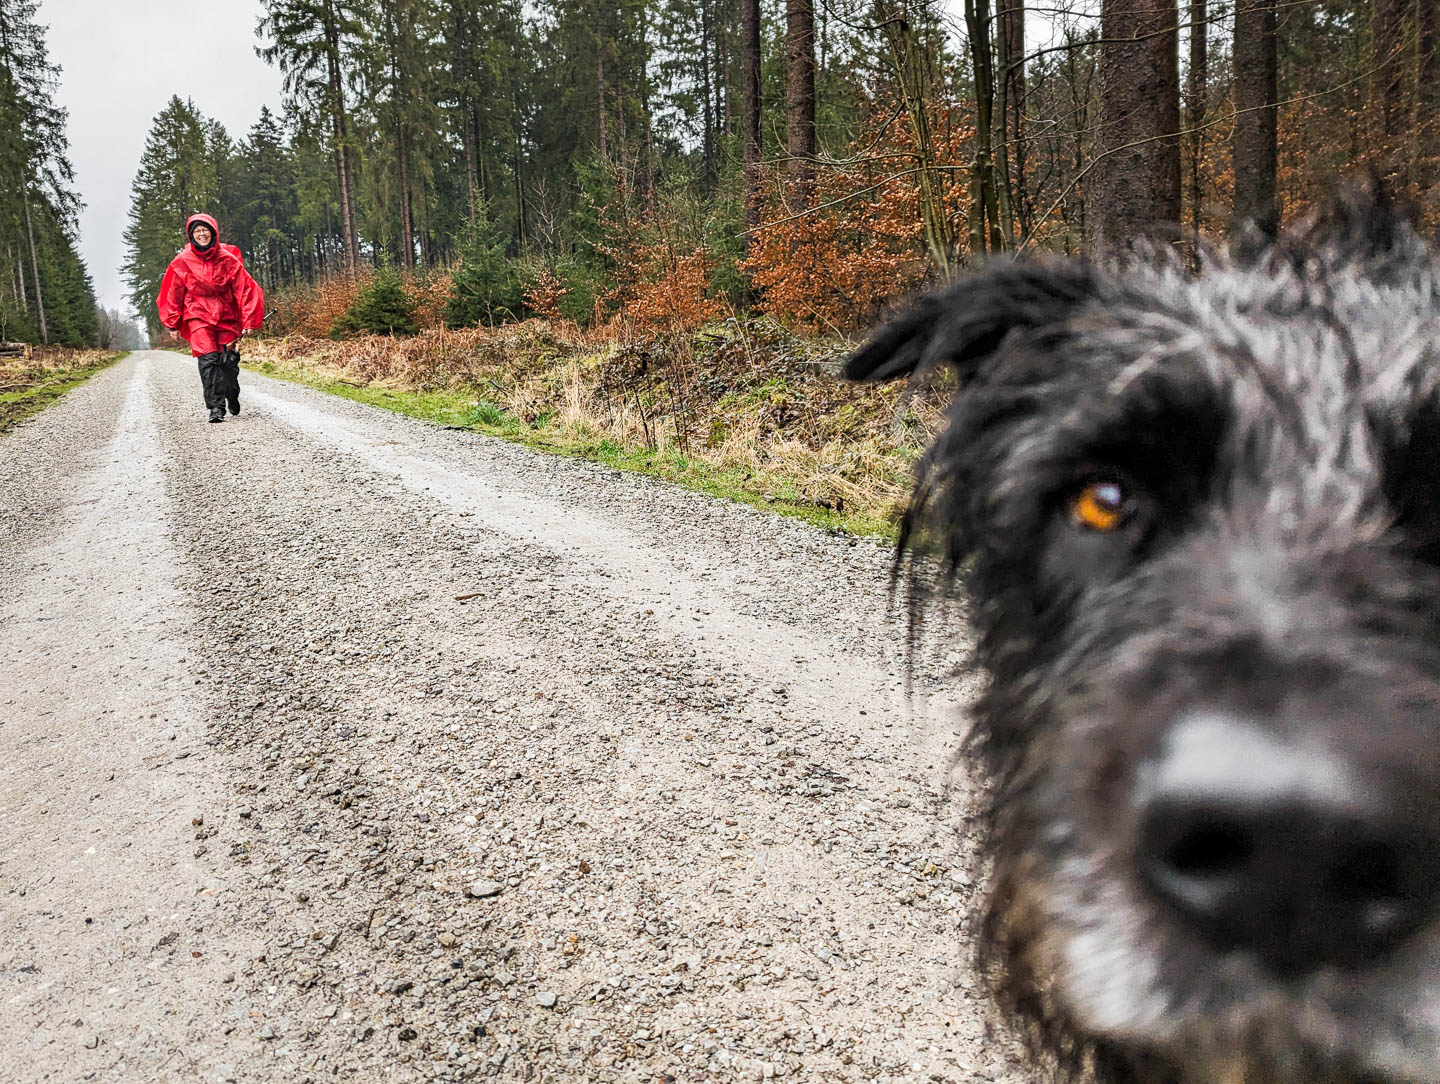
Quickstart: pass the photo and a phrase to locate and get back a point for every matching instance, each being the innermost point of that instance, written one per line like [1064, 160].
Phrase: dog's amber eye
[1102, 505]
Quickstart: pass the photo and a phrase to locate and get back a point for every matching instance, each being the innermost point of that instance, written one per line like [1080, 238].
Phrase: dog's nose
[1280, 849]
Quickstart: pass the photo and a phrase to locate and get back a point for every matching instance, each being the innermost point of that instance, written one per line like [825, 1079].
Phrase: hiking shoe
[235, 405]
[217, 415]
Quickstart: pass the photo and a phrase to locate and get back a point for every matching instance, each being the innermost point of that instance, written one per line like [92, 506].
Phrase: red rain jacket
[208, 297]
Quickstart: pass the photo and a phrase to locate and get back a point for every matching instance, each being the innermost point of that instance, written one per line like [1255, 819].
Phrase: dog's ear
[1362, 226]
[965, 323]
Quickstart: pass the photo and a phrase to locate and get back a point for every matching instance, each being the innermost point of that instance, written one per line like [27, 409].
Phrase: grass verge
[28, 386]
[786, 488]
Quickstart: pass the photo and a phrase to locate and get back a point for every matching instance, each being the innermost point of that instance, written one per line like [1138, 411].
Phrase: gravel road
[335, 745]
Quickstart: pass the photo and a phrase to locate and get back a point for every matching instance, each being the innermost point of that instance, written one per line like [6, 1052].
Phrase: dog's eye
[1102, 505]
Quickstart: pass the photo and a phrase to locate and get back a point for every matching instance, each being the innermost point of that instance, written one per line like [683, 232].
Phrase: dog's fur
[1278, 423]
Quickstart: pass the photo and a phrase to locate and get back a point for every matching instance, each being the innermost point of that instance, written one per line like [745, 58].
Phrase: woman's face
[202, 235]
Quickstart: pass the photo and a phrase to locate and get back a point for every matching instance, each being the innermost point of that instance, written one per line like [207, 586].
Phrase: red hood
[214, 229]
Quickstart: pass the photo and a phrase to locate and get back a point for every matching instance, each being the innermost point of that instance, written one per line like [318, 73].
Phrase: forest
[45, 290]
[649, 163]
[654, 164]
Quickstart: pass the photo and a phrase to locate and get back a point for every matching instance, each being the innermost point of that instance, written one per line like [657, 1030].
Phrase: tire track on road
[116, 944]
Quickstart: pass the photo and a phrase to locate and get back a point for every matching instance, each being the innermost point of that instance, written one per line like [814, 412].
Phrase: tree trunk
[750, 125]
[1255, 151]
[800, 96]
[721, 54]
[480, 138]
[471, 182]
[911, 71]
[407, 221]
[600, 90]
[1081, 109]
[649, 186]
[1427, 95]
[342, 152]
[1388, 79]
[399, 93]
[1135, 179]
[708, 142]
[983, 174]
[1195, 103]
[1012, 82]
[519, 180]
[35, 270]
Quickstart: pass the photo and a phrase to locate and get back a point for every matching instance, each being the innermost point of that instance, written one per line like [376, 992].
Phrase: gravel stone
[665, 738]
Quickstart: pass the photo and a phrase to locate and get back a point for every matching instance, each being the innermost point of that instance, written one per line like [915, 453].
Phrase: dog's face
[1198, 519]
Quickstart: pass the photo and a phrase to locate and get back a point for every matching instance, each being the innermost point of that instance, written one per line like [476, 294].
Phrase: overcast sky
[122, 61]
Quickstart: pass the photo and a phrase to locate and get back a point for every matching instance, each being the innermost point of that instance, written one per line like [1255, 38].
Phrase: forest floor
[338, 745]
[30, 384]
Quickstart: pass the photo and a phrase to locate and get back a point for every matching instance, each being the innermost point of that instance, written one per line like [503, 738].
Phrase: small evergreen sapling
[381, 308]
[487, 286]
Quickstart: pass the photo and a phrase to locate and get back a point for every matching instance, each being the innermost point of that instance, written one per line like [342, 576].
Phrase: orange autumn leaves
[828, 264]
[858, 244]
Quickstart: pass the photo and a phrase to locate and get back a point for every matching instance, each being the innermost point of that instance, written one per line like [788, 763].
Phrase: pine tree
[314, 42]
[177, 178]
[401, 115]
[264, 215]
[381, 308]
[487, 287]
[38, 206]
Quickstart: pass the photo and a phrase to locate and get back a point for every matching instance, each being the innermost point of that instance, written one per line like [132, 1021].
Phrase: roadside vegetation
[29, 384]
[738, 407]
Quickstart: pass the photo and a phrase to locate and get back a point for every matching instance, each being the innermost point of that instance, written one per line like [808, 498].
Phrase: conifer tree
[177, 178]
[38, 207]
[314, 43]
[487, 287]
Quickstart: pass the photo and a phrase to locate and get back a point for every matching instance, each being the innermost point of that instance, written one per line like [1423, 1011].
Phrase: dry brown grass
[743, 397]
[44, 363]
[28, 384]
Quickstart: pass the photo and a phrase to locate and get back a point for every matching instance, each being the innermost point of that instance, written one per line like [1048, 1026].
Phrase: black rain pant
[220, 377]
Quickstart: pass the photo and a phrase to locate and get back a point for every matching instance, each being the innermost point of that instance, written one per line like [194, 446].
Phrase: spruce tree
[314, 42]
[177, 178]
[381, 308]
[41, 276]
[487, 287]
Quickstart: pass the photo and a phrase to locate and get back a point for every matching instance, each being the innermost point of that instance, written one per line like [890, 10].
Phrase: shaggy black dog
[1197, 519]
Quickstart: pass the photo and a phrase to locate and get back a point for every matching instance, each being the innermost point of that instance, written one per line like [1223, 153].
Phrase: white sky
[121, 61]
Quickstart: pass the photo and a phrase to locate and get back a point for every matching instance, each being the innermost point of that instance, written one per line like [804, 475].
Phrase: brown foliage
[312, 310]
[435, 358]
[860, 244]
[668, 293]
[431, 292]
[544, 294]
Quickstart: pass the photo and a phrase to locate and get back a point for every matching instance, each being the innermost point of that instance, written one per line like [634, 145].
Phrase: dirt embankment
[741, 408]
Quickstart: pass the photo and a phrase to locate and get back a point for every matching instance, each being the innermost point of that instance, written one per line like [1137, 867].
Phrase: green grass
[459, 409]
[40, 388]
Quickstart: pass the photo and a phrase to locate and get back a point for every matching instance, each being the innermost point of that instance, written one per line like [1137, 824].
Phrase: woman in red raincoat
[210, 300]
